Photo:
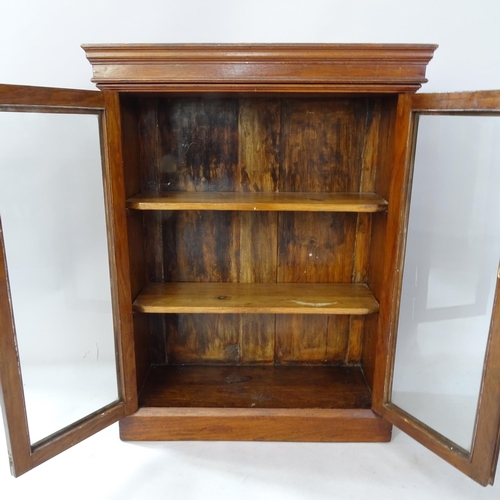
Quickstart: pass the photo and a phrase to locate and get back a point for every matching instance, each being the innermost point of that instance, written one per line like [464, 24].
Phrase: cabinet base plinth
[255, 424]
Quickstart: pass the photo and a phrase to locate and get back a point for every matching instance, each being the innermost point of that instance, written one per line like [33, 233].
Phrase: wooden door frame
[480, 463]
[23, 455]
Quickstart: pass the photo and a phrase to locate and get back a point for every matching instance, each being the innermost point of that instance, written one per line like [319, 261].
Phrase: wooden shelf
[256, 387]
[289, 202]
[270, 298]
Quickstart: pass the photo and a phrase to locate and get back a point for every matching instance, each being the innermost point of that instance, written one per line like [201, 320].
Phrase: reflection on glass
[52, 210]
[450, 272]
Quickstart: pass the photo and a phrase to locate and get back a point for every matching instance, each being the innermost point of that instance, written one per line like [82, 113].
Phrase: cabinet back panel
[258, 144]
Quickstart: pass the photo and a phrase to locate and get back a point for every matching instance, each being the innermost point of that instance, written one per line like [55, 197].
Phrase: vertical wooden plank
[301, 338]
[361, 259]
[129, 111]
[259, 140]
[198, 151]
[258, 243]
[389, 128]
[153, 221]
[203, 338]
[259, 135]
[384, 266]
[323, 146]
[257, 338]
[338, 338]
[198, 144]
[314, 248]
[201, 246]
[355, 346]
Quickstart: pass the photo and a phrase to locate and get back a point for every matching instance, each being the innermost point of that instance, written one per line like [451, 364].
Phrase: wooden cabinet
[257, 199]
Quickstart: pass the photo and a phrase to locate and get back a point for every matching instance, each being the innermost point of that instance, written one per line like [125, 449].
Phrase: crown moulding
[298, 68]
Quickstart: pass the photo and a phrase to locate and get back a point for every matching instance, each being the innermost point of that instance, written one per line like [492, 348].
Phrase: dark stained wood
[322, 143]
[284, 202]
[203, 338]
[355, 341]
[201, 246]
[152, 234]
[316, 247]
[257, 338]
[313, 247]
[198, 141]
[255, 387]
[255, 424]
[259, 124]
[279, 67]
[261, 139]
[266, 298]
[301, 338]
[258, 257]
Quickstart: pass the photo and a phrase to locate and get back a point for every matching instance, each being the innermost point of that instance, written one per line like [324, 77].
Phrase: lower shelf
[226, 386]
[252, 403]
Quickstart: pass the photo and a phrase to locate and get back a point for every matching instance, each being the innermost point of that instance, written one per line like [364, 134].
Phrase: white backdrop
[40, 45]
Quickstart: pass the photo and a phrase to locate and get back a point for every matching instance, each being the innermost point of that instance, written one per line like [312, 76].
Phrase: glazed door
[443, 382]
[66, 353]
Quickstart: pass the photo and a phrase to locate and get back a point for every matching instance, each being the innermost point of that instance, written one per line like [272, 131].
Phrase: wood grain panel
[153, 222]
[256, 387]
[203, 338]
[259, 135]
[355, 346]
[257, 338]
[201, 246]
[322, 144]
[260, 67]
[300, 338]
[283, 202]
[198, 144]
[198, 151]
[316, 247]
[255, 424]
[258, 256]
[380, 244]
[267, 298]
[337, 341]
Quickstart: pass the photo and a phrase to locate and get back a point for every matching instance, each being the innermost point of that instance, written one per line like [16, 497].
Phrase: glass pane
[450, 272]
[52, 210]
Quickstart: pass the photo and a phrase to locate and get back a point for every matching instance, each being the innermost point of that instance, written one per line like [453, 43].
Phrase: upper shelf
[267, 298]
[323, 68]
[284, 202]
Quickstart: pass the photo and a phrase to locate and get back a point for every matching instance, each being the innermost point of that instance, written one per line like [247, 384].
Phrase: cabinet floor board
[340, 387]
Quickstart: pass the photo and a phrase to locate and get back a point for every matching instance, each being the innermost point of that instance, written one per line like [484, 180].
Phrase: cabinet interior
[306, 340]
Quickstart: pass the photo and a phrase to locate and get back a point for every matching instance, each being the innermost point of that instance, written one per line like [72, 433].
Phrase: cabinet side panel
[379, 244]
[153, 222]
[129, 110]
